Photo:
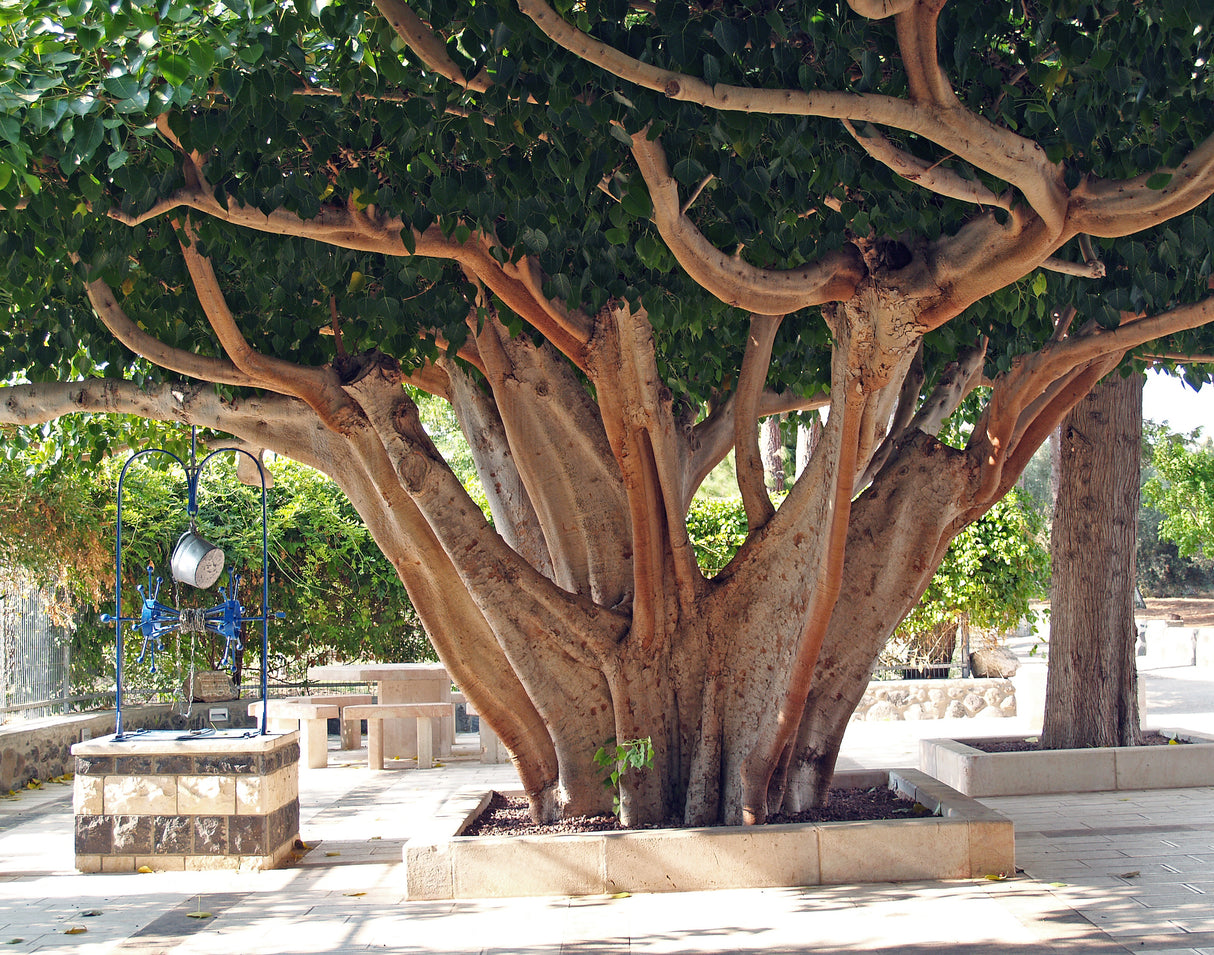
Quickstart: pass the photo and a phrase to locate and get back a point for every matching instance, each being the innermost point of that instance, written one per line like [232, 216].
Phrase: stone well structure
[169, 800]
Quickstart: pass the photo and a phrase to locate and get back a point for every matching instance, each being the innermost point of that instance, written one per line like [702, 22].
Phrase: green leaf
[121, 86]
[636, 201]
[726, 35]
[251, 54]
[1159, 180]
[174, 68]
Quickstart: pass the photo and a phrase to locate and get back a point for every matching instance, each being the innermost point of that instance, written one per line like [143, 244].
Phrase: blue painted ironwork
[156, 619]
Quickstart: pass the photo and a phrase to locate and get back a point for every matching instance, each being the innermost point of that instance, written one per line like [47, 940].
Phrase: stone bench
[312, 721]
[351, 732]
[376, 713]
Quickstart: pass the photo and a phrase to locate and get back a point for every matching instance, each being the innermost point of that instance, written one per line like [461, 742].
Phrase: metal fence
[35, 653]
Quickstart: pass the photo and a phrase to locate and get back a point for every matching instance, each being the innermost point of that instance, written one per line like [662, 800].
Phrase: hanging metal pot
[196, 561]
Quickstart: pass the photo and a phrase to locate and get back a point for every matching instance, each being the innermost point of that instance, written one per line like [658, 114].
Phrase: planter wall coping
[967, 840]
[977, 773]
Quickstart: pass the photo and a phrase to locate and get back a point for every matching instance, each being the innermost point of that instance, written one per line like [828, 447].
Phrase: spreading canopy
[614, 236]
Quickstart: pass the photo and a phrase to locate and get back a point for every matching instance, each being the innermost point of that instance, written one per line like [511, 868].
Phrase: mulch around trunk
[1032, 744]
[507, 815]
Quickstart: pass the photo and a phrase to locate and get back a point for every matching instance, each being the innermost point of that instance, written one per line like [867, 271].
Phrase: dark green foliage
[1110, 94]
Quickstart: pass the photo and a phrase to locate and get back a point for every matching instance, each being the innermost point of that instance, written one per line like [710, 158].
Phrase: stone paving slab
[1073, 898]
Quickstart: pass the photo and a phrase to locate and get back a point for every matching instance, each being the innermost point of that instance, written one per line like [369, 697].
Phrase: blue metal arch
[156, 619]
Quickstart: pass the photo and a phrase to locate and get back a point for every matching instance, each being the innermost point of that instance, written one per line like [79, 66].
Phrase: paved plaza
[1102, 872]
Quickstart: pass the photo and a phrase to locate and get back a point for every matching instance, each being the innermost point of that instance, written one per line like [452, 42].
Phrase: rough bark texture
[1092, 687]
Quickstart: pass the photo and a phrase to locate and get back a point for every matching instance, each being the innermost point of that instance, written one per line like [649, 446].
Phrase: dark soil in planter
[507, 815]
[1032, 744]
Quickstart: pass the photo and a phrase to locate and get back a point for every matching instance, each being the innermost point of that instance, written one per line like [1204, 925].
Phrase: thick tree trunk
[773, 453]
[1092, 684]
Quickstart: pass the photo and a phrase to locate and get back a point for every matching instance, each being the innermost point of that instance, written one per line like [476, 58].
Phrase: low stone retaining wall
[41, 749]
[891, 700]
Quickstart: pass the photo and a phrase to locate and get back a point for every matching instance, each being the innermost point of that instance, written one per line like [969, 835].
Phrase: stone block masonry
[41, 748]
[166, 802]
[936, 699]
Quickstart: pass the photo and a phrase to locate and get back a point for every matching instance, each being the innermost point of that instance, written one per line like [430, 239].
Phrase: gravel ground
[507, 816]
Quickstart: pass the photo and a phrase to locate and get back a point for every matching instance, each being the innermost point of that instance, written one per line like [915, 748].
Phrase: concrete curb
[967, 840]
[976, 773]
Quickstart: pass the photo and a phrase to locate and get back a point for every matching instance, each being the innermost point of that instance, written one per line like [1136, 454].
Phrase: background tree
[1182, 489]
[1092, 683]
[614, 239]
[992, 572]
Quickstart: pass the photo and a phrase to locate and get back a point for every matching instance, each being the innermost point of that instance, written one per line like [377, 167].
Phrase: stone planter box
[967, 840]
[223, 801]
[976, 773]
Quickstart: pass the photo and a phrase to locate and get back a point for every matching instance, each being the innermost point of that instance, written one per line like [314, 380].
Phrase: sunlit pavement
[1102, 872]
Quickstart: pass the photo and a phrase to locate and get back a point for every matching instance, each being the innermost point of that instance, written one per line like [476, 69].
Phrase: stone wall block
[173, 764]
[251, 795]
[210, 835]
[223, 764]
[135, 765]
[248, 835]
[94, 765]
[87, 795]
[132, 834]
[284, 823]
[94, 836]
[172, 835]
[140, 795]
[206, 795]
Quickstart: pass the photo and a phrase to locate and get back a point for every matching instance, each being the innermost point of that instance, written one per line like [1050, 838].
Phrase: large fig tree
[614, 236]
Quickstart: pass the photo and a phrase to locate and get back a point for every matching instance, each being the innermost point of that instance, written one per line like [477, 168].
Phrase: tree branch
[729, 278]
[1000, 152]
[564, 459]
[636, 409]
[712, 438]
[428, 47]
[908, 401]
[931, 176]
[1181, 357]
[370, 231]
[195, 403]
[1084, 270]
[1111, 208]
[751, 379]
[319, 388]
[512, 594]
[146, 346]
[760, 764]
[1037, 392]
[959, 379]
[916, 27]
[880, 9]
